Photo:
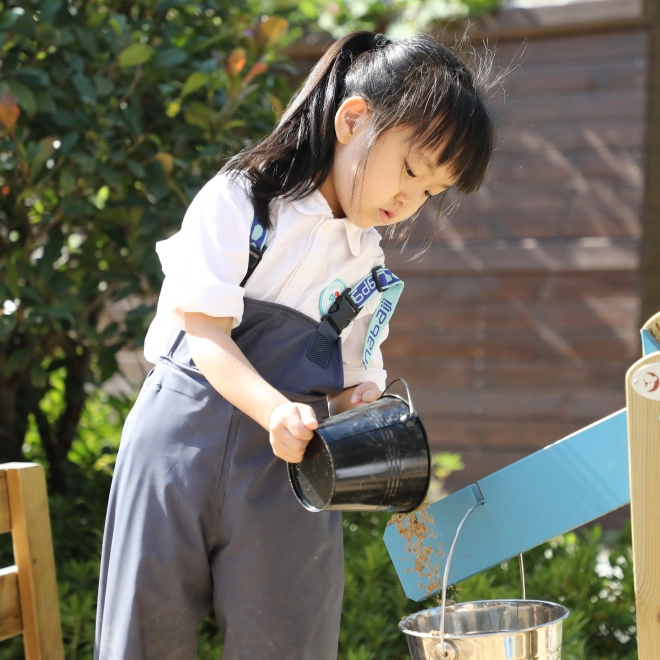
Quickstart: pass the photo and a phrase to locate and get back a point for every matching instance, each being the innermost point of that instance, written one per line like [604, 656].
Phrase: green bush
[112, 116]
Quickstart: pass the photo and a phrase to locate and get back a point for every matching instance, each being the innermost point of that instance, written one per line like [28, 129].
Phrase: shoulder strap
[349, 304]
[258, 238]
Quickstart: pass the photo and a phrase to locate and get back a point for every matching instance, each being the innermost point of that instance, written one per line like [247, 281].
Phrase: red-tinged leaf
[236, 61]
[256, 69]
[9, 110]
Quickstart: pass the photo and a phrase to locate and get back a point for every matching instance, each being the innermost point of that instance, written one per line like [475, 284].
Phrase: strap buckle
[341, 312]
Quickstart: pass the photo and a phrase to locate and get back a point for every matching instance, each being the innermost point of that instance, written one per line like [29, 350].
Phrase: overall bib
[201, 514]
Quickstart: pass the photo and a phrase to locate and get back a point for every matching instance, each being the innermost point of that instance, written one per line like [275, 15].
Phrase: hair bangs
[465, 145]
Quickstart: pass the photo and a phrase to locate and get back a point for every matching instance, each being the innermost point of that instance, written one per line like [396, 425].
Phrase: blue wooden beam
[550, 492]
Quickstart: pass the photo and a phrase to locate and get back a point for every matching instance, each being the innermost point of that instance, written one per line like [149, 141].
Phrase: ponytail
[304, 139]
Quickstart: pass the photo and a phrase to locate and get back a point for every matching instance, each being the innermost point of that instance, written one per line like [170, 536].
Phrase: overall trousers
[201, 513]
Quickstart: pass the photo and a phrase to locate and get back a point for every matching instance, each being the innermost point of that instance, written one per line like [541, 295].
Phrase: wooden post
[649, 269]
[643, 398]
[33, 553]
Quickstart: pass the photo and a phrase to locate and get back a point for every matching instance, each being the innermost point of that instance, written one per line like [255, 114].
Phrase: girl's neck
[327, 189]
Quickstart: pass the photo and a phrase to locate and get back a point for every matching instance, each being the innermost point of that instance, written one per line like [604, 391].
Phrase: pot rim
[508, 633]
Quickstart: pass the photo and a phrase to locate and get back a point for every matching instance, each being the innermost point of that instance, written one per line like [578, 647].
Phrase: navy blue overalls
[201, 514]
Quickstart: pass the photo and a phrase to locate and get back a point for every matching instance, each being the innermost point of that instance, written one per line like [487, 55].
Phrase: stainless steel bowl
[488, 630]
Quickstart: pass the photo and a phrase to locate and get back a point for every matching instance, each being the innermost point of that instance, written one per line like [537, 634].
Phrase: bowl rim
[504, 633]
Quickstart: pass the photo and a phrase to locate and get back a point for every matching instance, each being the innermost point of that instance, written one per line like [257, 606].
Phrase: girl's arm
[223, 364]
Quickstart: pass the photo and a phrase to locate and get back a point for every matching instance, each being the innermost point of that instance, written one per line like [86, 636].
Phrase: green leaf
[54, 313]
[110, 176]
[33, 76]
[49, 8]
[76, 208]
[12, 278]
[46, 150]
[132, 119]
[44, 101]
[165, 5]
[65, 119]
[24, 96]
[103, 85]
[200, 115]
[96, 19]
[194, 82]
[17, 360]
[86, 161]
[136, 169]
[135, 54]
[85, 88]
[171, 57]
[68, 142]
[8, 18]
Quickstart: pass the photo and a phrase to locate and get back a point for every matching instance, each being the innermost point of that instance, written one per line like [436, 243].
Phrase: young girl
[270, 313]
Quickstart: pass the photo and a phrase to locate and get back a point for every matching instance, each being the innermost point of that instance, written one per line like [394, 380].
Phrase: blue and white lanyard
[379, 280]
[348, 305]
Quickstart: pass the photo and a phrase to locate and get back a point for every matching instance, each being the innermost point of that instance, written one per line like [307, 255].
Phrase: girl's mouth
[385, 216]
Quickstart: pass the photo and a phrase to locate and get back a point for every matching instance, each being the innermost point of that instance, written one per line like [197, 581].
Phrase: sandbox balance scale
[550, 492]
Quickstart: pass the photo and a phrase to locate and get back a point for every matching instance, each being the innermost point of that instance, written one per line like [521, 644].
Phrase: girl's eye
[410, 172]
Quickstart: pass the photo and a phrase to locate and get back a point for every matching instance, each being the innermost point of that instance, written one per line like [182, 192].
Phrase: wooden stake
[33, 553]
[644, 454]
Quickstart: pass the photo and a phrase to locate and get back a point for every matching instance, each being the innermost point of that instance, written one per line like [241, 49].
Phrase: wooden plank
[606, 74]
[581, 407]
[5, 518]
[534, 167]
[424, 286]
[578, 107]
[515, 346]
[644, 456]
[574, 136]
[573, 49]
[479, 374]
[508, 258]
[10, 609]
[33, 552]
[548, 20]
[609, 312]
[510, 436]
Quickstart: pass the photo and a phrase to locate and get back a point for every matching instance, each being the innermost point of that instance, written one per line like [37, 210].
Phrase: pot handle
[412, 414]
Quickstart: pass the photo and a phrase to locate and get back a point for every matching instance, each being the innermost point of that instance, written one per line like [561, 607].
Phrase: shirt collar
[315, 204]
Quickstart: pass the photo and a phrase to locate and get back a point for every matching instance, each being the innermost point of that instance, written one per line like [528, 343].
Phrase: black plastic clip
[341, 312]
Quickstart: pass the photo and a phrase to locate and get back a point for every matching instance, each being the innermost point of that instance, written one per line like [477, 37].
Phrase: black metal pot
[372, 458]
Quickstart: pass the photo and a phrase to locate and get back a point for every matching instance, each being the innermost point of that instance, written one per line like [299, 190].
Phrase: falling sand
[416, 528]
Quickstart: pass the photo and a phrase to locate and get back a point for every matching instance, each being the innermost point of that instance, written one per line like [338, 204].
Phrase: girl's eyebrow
[431, 167]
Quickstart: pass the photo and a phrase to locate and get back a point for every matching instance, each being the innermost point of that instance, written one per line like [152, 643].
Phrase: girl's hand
[365, 393]
[291, 428]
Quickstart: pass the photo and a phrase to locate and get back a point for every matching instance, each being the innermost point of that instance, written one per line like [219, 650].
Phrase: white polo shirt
[308, 249]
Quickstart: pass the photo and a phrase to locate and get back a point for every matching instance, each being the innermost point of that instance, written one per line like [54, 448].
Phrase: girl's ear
[349, 117]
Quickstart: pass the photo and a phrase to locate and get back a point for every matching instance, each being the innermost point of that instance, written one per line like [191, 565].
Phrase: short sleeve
[205, 262]
[353, 346]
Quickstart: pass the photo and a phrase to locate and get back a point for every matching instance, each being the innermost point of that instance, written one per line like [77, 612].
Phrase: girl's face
[393, 186]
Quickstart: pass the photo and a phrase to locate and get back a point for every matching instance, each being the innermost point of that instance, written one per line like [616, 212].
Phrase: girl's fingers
[295, 426]
[287, 447]
[371, 395]
[308, 417]
[365, 393]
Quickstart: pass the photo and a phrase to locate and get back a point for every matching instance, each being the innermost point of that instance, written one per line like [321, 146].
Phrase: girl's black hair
[413, 82]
